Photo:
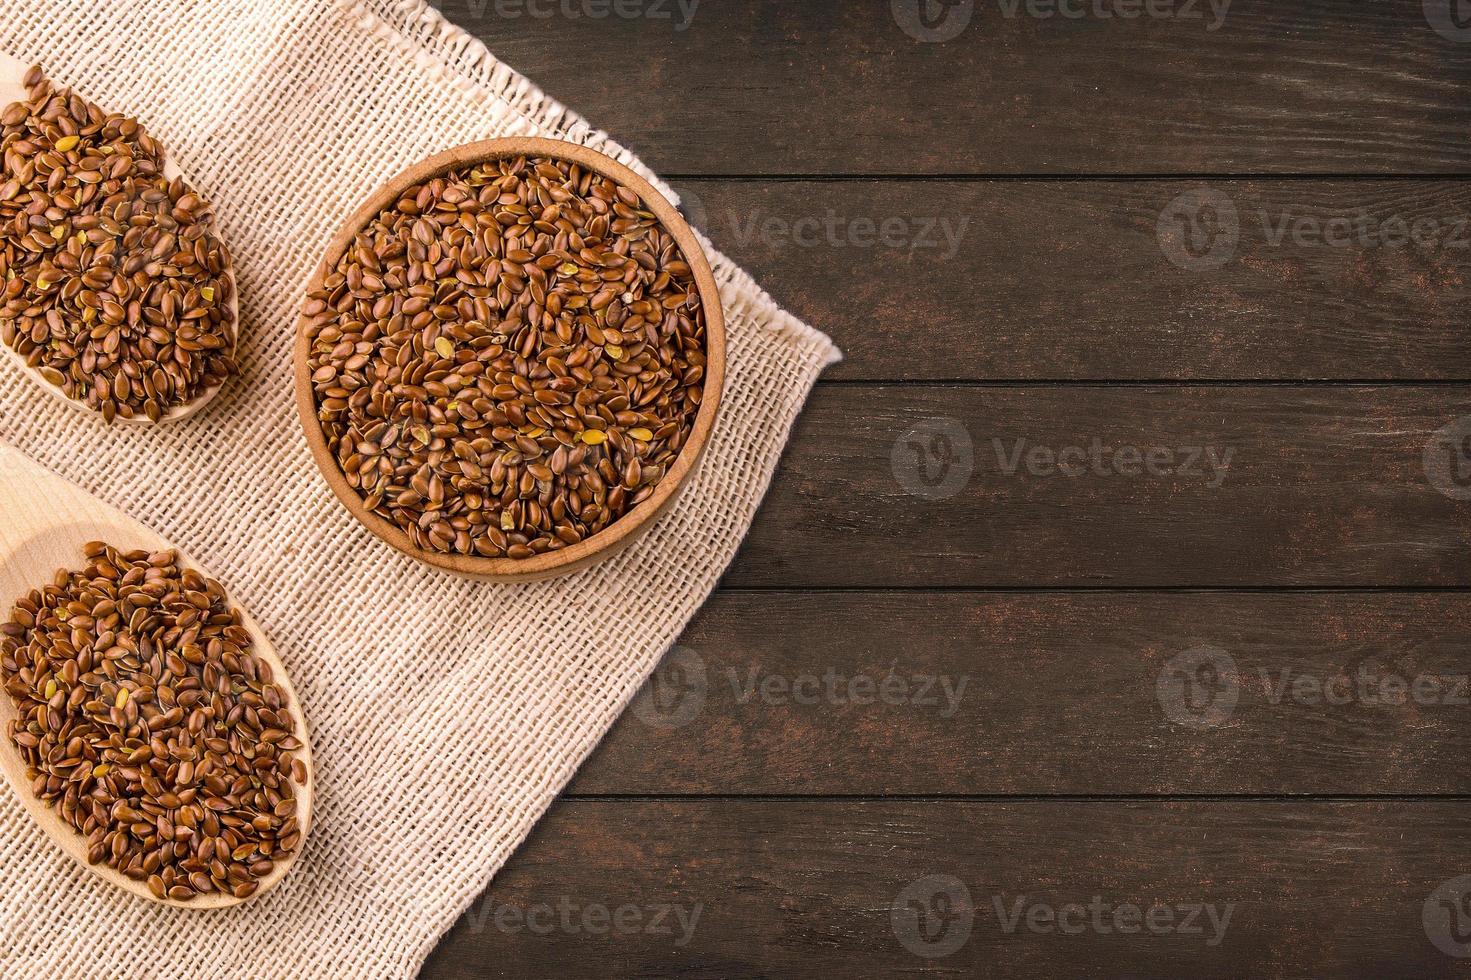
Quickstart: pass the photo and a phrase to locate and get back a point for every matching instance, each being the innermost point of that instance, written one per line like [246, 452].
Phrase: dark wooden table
[1109, 614]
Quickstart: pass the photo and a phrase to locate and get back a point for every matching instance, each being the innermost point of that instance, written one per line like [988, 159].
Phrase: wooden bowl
[621, 533]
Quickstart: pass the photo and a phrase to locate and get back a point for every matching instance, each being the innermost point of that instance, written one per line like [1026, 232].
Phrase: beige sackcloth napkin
[445, 715]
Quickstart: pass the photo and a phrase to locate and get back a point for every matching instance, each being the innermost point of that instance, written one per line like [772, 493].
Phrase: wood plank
[830, 86]
[1325, 486]
[877, 693]
[1054, 279]
[753, 889]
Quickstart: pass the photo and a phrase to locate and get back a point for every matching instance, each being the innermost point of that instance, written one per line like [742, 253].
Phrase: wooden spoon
[13, 89]
[44, 522]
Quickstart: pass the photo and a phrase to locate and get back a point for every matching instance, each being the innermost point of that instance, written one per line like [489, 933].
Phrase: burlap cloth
[445, 715]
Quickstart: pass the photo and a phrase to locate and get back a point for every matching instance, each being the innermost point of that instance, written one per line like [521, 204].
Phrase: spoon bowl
[13, 89]
[44, 523]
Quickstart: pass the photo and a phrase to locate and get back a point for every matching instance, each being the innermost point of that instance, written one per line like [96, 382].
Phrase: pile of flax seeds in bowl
[509, 358]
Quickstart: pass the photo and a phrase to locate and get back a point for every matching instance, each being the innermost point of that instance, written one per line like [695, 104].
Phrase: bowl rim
[627, 528]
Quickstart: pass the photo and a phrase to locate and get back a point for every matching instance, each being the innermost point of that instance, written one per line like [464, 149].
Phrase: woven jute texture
[445, 715]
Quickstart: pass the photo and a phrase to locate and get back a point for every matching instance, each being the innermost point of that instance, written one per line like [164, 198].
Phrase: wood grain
[1026, 280]
[799, 890]
[884, 693]
[835, 87]
[1054, 310]
[1326, 487]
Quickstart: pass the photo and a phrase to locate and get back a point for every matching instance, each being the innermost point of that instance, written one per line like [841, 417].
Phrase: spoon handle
[12, 79]
[11, 65]
[45, 519]
[33, 500]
